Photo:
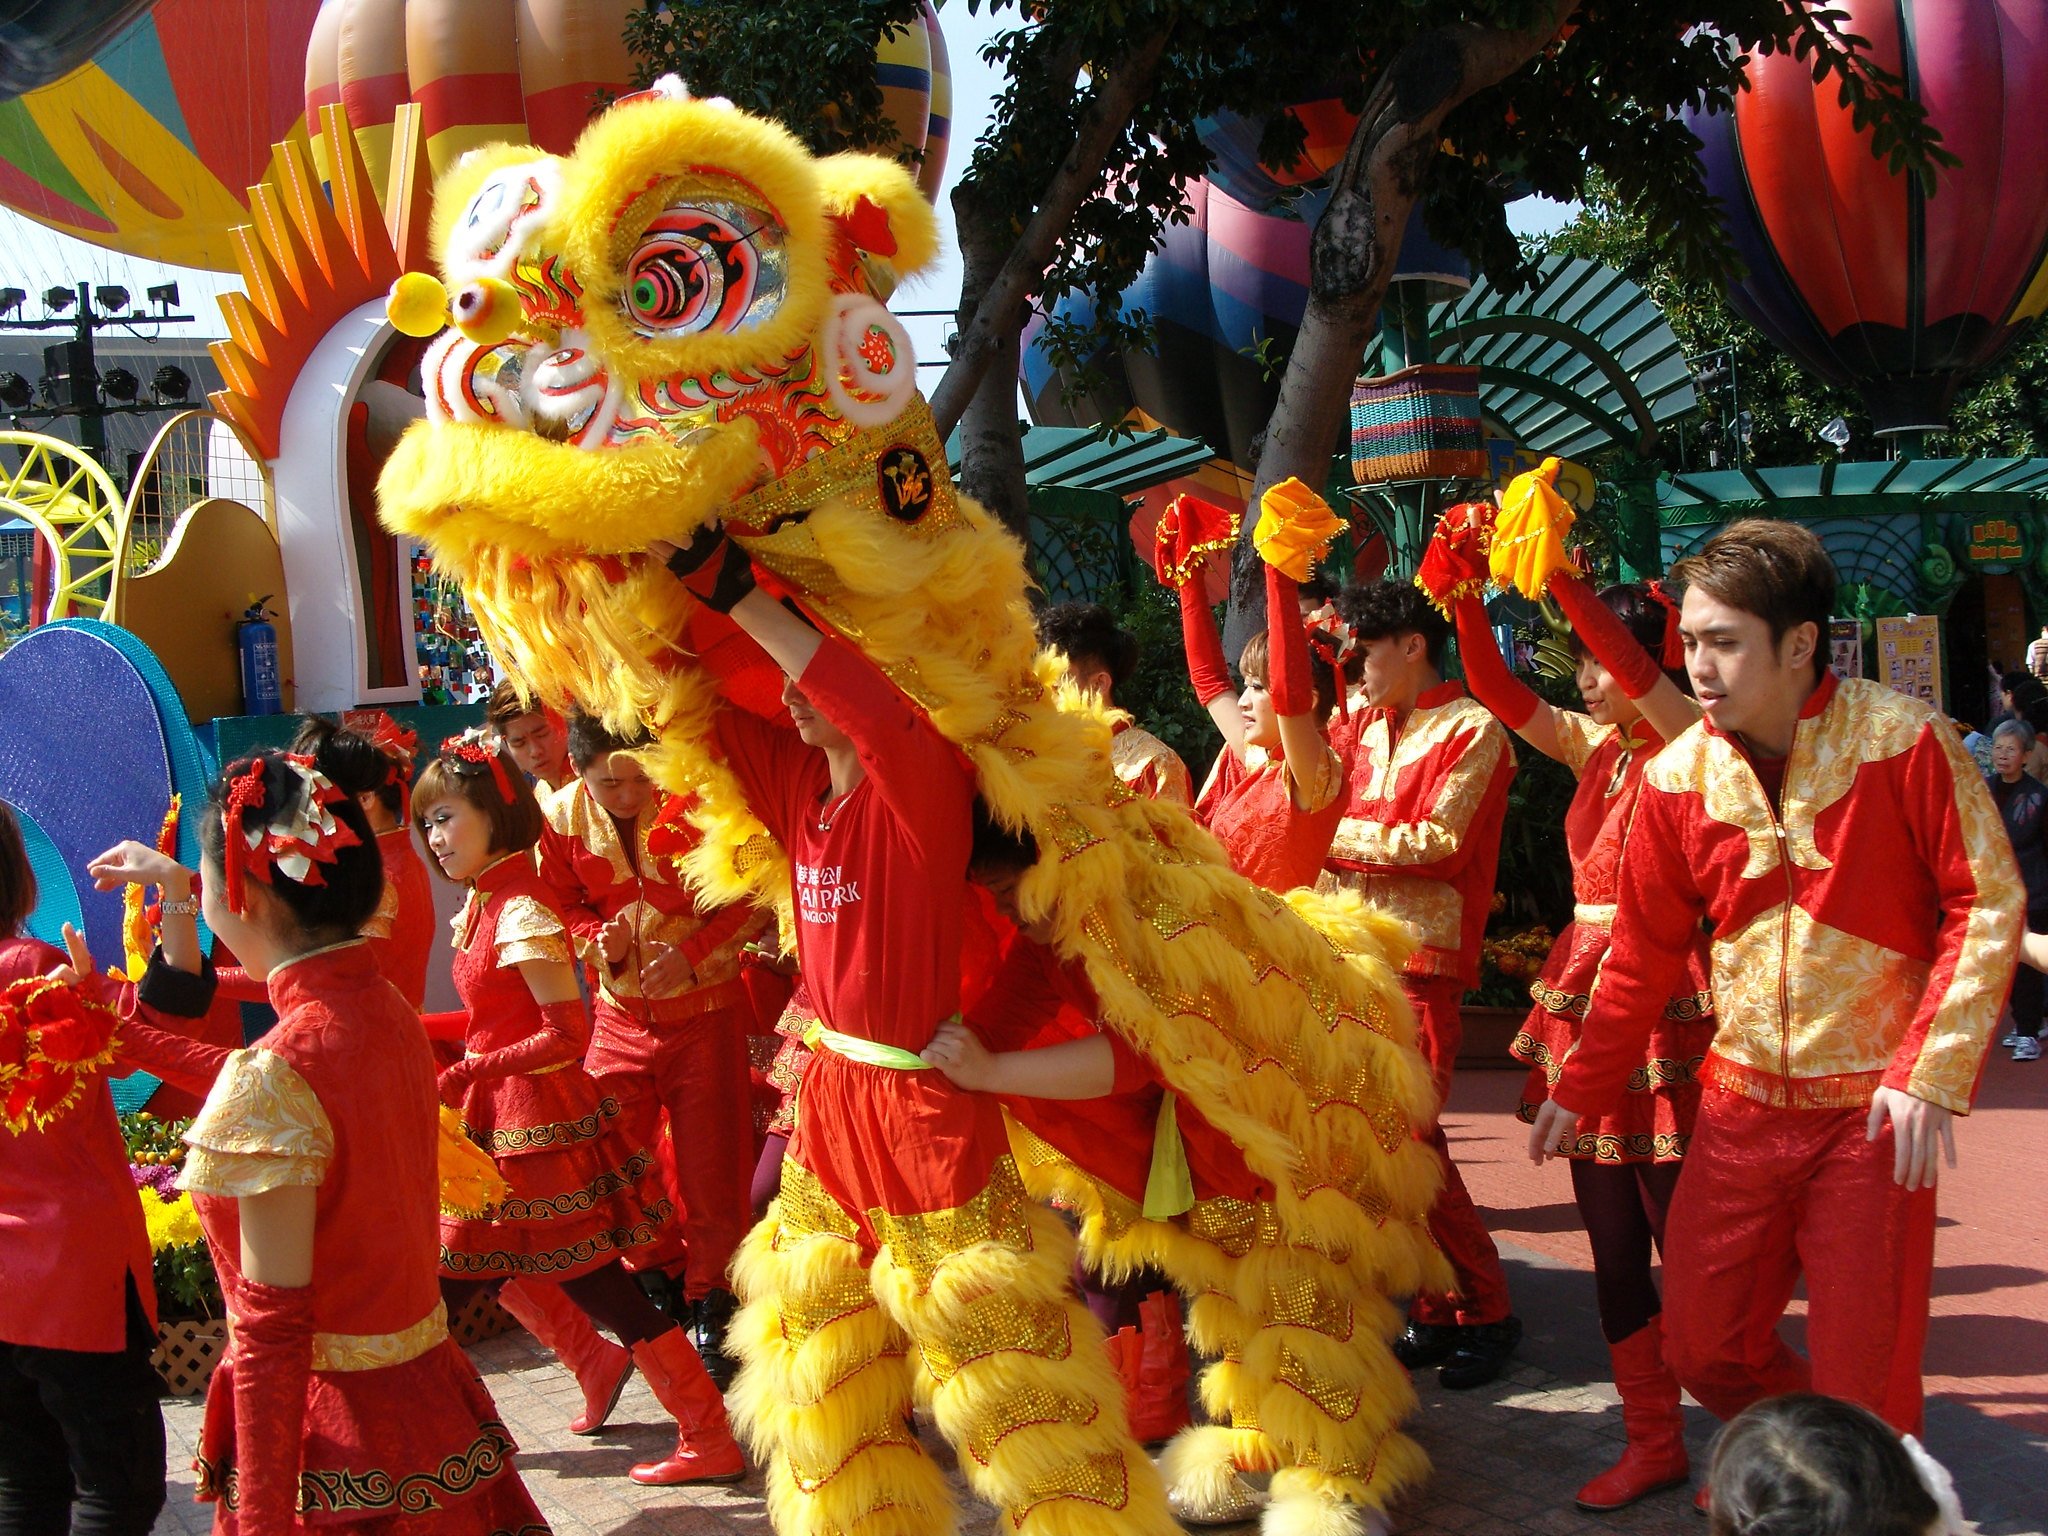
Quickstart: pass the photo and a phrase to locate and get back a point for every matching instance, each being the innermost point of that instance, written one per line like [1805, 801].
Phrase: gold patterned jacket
[1863, 933]
[585, 865]
[1421, 834]
[1147, 765]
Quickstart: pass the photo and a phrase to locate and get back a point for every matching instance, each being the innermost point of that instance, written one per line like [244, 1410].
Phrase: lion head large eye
[702, 267]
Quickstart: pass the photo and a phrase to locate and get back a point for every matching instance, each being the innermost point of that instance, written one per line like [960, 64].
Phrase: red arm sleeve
[151, 1040]
[1512, 701]
[1957, 829]
[557, 865]
[1289, 680]
[452, 1026]
[1658, 911]
[763, 757]
[564, 1032]
[1203, 643]
[1604, 635]
[273, 1365]
[238, 986]
[916, 771]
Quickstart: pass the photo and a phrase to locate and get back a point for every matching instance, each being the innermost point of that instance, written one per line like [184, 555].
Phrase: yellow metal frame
[75, 509]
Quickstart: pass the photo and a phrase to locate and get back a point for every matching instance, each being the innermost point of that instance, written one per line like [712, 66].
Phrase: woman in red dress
[1275, 796]
[81, 1437]
[342, 1401]
[1624, 1167]
[575, 1179]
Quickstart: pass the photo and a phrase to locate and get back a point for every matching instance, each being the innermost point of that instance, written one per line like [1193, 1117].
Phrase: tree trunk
[1352, 255]
[991, 451]
[989, 327]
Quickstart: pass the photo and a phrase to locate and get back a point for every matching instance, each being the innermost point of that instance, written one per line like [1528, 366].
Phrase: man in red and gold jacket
[1865, 911]
[1428, 772]
[671, 1011]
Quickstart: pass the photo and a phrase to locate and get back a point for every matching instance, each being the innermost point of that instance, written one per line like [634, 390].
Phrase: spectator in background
[2037, 654]
[2023, 803]
[2034, 716]
[1100, 658]
[2017, 693]
[536, 736]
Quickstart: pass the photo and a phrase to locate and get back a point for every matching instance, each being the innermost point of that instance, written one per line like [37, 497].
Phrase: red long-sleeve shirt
[1863, 932]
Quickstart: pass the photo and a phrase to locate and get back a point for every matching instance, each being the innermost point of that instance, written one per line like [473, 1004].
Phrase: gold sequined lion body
[683, 320]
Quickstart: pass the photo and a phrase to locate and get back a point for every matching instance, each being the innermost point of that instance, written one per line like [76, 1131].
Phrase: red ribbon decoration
[1673, 656]
[468, 748]
[245, 793]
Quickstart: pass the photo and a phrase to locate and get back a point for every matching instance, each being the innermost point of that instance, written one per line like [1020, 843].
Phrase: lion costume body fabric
[683, 321]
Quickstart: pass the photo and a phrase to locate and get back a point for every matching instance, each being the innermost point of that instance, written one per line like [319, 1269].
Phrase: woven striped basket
[1421, 423]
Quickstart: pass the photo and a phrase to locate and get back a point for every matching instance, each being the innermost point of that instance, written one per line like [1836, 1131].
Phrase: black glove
[716, 570]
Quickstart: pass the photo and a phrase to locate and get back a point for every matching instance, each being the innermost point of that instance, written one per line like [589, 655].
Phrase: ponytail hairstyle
[474, 767]
[275, 820]
[374, 762]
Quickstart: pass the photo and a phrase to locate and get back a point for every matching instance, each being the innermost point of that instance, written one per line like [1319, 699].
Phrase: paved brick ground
[1509, 1458]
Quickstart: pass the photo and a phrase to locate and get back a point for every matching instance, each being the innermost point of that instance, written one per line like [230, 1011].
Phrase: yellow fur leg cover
[1022, 1385]
[826, 1379]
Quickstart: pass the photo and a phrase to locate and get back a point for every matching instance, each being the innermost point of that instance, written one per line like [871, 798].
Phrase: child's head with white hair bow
[1808, 1465]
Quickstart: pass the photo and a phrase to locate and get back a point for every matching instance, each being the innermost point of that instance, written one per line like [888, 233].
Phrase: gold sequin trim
[1022, 1409]
[1299, 1302]
[848, 471]
[810, 1477]
[1099, 1479]
[375, 1351]
[805, 1208]
[997, 1324]
[1334, 1401]
[919, 1242]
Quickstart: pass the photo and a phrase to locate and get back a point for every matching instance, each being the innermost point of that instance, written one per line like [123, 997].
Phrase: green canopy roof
[1852, 490]
[1087, 459]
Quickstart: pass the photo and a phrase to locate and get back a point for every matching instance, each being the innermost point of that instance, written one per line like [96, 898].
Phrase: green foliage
[187, 1288]
[1535, 879]
[1158, 694]
[809, 66]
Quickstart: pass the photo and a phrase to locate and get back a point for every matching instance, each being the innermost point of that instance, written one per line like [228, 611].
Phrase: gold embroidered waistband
[1599, 915]
[375, 1351]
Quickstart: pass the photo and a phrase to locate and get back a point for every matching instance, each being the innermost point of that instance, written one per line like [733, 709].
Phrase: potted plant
[191, 1327]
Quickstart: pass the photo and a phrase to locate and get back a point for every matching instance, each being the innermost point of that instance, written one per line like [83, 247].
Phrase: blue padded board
[56, 894]
[95, 740]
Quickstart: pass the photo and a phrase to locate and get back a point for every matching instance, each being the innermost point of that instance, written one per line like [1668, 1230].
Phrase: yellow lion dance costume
[680, 321]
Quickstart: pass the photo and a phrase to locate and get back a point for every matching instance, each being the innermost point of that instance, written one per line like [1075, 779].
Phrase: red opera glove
[1454, 565]
[1606, 636]
[237, 985]
[563, 1035]
[273, 1364]
[454, 1082]
[1512, 701]
[1289, 680]
[1202, 641]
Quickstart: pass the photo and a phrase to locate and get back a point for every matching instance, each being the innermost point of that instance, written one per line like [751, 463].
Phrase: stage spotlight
[15, 392]
[111, 300]
[59, 299]
[120, 384]
[11, 300]
[164, 295]
[170, 382]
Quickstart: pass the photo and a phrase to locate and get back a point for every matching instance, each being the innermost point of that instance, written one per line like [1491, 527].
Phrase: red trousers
[693, 1070]
[1482, 1293]
[1769, 1194]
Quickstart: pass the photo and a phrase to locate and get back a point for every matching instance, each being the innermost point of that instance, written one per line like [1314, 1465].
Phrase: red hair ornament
[299, 839]
[476, 748]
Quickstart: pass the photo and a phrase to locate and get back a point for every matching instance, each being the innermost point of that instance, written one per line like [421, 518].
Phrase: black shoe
[714, 1314]
[666, 1292]
[1422, 1345]
[1481, 1353]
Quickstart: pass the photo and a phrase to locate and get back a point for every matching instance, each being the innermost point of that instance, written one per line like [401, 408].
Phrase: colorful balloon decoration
[149, 148]
[44, 40]
[1856, 273]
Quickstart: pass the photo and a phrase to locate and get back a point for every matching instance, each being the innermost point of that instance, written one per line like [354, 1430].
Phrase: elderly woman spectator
[2023, 802]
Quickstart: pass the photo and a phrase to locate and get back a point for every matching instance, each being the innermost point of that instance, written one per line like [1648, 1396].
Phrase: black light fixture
[15, 392]
[164, 295]
[57, 300]
[170, 382]
[120, 384]
[111, 300]
[11, 300]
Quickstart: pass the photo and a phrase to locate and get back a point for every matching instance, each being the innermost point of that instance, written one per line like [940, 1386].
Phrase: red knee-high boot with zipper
[601, 1368]
[705, 1449]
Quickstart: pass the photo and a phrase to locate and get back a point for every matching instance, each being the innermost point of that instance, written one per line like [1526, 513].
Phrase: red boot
[1159, 1407]
[1655, 1457]
[601, 1368]
[705, 1449]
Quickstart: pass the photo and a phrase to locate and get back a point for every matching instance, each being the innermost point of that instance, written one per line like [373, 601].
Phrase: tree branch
[1353, 250]
[997, 312]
